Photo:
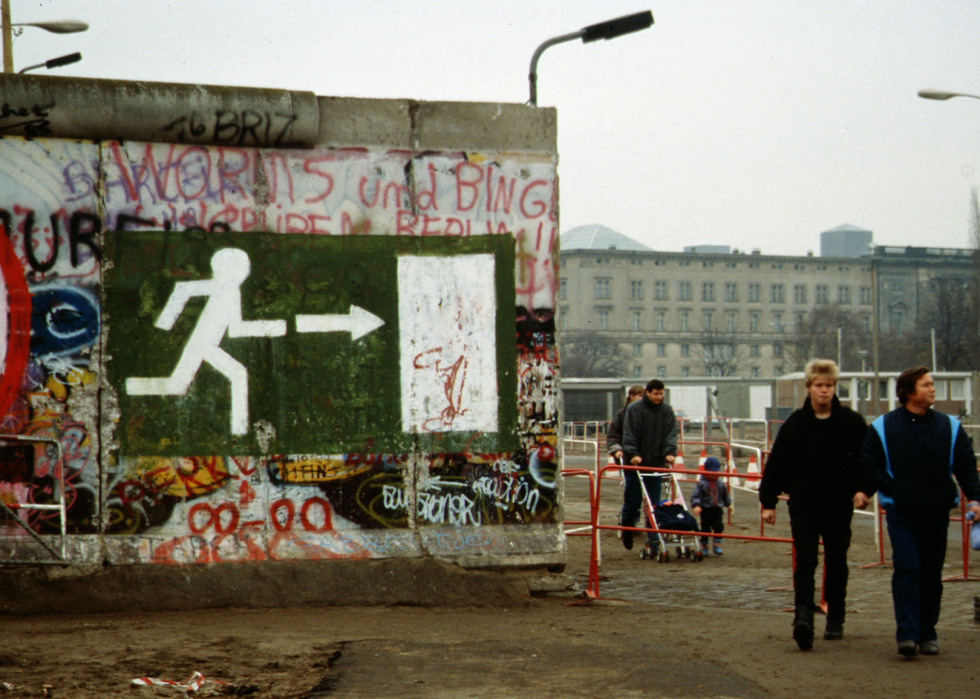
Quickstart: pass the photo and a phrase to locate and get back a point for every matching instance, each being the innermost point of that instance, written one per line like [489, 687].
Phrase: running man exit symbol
[223, 314]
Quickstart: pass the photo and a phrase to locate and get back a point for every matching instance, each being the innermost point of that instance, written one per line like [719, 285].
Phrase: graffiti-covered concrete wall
[249, 352]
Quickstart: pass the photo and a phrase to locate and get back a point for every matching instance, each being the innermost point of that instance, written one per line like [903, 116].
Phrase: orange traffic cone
[679, 460]
[752, 483]
[734, 481]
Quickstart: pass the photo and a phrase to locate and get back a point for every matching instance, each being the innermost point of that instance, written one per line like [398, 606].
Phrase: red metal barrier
[593, 590]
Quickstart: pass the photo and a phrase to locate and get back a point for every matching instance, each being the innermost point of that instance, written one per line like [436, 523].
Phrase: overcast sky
[751, 123]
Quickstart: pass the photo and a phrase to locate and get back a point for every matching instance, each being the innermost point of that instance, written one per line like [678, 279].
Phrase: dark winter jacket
[614, 435]
[919, 448]
[816, 461]
[710, 493]
[650, 432]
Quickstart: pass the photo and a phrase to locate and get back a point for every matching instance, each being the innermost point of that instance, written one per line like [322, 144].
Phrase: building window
[684, 291]
[753, 350]
[661, 372]
[685, 372]
[708, 291]
[563, 290]
[731, 292]
[821, 294]
[636, 320]
[777, 350]
[660, 291]
[637, 350]
[753, 293]
[896, 321]
[636, 291]
[603, 320]
[661, 321]
[777, 322]
[602, 289]
[799, 293]
[753, 322]
[778, 371]
[844, 295]
[637, 372]
[776, 294]
[865, 295]
[707, 321]
[755, 372]
[685, 350]
[685, 321]
[661, 349]
[865, 324]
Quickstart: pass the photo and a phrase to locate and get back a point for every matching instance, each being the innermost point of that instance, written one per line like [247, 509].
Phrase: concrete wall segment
[94, 109]
[107, 232]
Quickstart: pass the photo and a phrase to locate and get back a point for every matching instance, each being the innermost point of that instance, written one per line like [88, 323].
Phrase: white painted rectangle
[447, 311]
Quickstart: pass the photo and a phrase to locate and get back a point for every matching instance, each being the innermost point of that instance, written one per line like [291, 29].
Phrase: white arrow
[358, 323]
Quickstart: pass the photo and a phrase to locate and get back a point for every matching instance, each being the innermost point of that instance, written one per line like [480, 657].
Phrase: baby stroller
[672, 515]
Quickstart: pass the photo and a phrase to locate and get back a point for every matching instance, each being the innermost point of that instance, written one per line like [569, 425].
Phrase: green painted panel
[315, 392]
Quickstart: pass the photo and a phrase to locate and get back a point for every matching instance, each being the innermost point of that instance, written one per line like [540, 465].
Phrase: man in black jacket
[649, 439]
[911, 455]
[815, 460]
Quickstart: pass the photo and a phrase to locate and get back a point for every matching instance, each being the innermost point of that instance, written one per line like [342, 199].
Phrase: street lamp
[609, 29]
[68, 26]
[55, 62]
[941, 95]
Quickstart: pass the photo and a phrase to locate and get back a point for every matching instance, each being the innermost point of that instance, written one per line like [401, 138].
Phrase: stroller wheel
[697, 557]
[689, 553]
[679, 552]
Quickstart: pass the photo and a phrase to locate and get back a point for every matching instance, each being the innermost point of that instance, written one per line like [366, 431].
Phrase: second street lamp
[68, 26]
[609, 29]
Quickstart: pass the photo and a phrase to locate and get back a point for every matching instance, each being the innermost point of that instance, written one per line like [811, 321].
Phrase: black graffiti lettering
[77, 234]
[32, 260]
[287, 127]
[250, 121]
[225, 121]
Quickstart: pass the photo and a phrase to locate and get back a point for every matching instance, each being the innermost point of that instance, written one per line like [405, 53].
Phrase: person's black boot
[834, 630]
[803, 627]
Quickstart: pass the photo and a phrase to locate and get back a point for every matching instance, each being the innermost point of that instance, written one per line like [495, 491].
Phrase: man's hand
[769, 516]
[860, 500]
[696, 510]
[670, 460]
[618, 455]
[731, 509]
[636, 460]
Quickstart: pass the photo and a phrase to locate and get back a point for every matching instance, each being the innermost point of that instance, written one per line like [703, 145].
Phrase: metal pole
[533, 77]
[876, 404]
[8, 37]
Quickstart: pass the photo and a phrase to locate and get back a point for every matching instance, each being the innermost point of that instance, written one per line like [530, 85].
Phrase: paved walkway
[749, 576]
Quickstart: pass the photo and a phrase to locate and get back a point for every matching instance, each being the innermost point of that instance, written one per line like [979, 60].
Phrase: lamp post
[604, 30]
[942, 95]
[68, 26]
[875, 398]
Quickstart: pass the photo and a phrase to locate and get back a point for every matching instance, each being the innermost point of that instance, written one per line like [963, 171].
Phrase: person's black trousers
[809, 523]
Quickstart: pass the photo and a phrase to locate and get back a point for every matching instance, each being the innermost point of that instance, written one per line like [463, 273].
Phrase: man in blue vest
[911, 456]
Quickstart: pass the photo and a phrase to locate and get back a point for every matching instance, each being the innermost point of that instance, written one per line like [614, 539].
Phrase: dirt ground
[676, 629]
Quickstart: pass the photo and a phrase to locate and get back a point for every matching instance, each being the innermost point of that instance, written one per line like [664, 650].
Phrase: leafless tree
[721, 352]
[592, 355]
[817, 337]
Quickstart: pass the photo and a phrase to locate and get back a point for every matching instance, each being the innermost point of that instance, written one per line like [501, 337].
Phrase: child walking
[709, 498]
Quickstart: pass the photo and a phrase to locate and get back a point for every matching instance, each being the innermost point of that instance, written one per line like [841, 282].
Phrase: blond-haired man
[815, 460]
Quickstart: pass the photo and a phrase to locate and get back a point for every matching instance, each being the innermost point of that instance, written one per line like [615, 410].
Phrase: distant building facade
[707, 312]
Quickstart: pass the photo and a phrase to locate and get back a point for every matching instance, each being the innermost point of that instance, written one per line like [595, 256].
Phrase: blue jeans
[918, 539]
[633, 497]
